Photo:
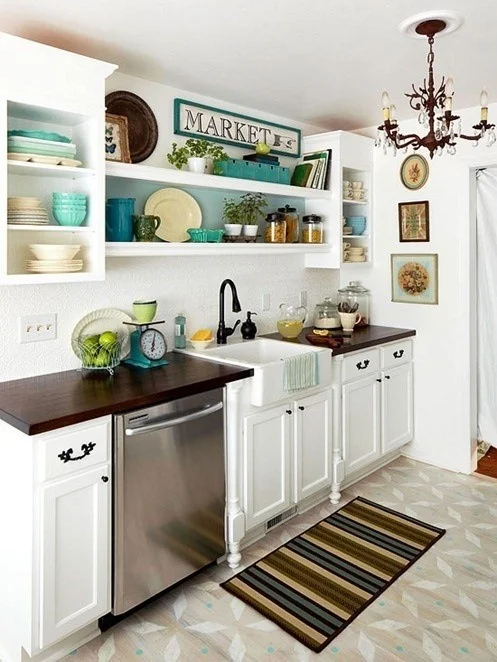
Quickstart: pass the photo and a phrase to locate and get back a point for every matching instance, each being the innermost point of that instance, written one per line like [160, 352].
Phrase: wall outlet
[303, 298]
[266, 301]
[33, 328]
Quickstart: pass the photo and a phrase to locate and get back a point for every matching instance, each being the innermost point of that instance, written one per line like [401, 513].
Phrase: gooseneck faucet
[222, 331]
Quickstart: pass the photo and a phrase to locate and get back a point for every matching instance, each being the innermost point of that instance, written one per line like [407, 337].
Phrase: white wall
[443, 363]
[180, 284]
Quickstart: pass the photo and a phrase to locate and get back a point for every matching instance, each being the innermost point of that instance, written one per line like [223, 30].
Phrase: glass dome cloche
[355, 293]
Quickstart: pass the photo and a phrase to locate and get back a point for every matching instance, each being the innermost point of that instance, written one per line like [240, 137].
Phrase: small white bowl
[54, 251]
[200, 344]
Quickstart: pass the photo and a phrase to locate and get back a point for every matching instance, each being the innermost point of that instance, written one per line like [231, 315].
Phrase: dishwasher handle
[178, 420]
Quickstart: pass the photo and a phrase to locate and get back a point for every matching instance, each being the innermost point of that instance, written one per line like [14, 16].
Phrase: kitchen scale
[148, 346]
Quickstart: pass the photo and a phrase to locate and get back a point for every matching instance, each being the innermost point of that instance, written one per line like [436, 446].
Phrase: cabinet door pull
[289, 411]
[398, 354]
[105, 479]
[66, 456]
[363, 365]
[378, 380]
[387, 376]
[301, 408]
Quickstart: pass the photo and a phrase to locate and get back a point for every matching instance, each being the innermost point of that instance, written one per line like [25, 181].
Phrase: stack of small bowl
[69, 208]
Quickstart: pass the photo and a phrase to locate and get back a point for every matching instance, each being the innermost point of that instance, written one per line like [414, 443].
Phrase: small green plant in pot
[245, 212]
[195, 153]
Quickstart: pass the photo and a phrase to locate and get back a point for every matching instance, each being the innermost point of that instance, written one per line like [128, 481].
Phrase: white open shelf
[185, 178]
[49, 228]
[40, 169]
[159, 249]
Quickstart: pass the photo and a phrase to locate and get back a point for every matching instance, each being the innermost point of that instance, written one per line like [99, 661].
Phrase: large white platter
[98, 321]
[177, 211]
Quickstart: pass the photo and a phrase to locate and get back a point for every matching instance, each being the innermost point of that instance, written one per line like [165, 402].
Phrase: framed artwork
[414, 172]
[414, 221]
[415, 278]
[116, 138]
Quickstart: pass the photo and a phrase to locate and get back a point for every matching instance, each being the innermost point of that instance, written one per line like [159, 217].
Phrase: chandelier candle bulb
[449, 93]
[385, 102]
[484, 106]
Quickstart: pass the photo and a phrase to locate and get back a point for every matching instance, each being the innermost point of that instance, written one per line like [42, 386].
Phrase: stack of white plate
[26, 211]
[53, 266]
[54, 259]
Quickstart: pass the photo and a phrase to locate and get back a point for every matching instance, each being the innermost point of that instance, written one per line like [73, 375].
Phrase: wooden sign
[222, 126]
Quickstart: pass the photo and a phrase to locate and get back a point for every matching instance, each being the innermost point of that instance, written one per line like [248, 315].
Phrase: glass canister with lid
[326, 315]
[355, 293]
[275, 232]
[312, 229]
[292, 223]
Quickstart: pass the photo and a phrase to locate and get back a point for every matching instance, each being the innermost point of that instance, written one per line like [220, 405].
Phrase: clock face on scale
[153, 344]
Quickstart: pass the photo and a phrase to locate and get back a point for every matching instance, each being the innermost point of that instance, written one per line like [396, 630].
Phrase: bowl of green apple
[100, 351]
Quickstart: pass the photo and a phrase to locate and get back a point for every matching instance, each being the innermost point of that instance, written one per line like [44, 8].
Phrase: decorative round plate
[98, 321]
[414, 172]
[177, 211]
[142, 125]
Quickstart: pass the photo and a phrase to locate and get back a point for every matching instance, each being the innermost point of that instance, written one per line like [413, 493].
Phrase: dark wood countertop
[48, 402]
[363, 337]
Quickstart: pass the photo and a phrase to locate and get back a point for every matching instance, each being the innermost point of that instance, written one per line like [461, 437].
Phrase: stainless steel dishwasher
[169, 495]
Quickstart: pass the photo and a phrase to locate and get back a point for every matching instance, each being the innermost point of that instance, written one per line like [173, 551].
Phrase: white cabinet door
[75, 553]
[312, 444]
[266, 489]
[397, 407]
[361, 422]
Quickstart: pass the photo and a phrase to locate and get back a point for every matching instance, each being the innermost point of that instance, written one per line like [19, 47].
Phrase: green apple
[107, 339]
[101, 359]
[262, 148]
[90, 342]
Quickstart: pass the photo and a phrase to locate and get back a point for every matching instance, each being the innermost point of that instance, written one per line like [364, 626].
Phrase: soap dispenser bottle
[248, 328]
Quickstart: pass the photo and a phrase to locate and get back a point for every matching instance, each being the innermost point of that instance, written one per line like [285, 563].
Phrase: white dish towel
[300, 372]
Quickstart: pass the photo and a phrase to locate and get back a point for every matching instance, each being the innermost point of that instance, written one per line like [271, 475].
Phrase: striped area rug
[318, 582]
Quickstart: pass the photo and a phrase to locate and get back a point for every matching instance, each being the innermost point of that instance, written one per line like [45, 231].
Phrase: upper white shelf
[185, 178]
[43, 169]
[161, 249]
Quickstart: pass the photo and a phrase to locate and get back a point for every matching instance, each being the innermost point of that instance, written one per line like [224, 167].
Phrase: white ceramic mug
[356, 185]
[349, 320]
[346, 184]
[358, 194]
[346, 245]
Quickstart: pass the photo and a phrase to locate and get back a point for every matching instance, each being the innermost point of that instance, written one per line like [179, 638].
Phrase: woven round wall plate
[142, 125]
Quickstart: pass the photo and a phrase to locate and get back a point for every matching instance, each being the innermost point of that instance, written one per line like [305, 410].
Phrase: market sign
[222, 126]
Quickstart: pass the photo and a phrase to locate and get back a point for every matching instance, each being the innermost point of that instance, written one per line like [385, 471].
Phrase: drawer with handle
[396, 353]
[73, 449]
[361, 364]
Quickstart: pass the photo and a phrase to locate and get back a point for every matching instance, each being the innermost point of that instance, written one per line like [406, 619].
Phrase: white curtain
[486, 241]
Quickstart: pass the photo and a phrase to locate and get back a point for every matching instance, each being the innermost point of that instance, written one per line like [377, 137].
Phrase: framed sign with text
[196, 120]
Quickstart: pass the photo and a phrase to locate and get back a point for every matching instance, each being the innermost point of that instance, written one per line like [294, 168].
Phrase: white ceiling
[325, 62]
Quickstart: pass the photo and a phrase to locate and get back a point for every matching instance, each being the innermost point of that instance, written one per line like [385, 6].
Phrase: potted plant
[246, 212]
[198, 154]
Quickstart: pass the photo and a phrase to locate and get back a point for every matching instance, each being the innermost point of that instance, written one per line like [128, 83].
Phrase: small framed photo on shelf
[116, 138]
[415, 278]
[414, 221]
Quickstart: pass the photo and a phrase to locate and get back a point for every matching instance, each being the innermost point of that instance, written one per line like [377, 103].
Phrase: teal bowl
[68, 197]
[69, 205]
[69, 217]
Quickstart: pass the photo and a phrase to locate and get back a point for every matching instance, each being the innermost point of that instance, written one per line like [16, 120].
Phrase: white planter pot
[196, 164]
[250, 230]
[232, 229]
[209, 166]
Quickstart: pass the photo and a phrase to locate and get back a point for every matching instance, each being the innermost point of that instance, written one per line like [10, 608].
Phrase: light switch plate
[33, 328]
[303, 298]
[266, 301]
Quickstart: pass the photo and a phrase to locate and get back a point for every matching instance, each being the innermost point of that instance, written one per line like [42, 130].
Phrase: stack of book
[313, 170]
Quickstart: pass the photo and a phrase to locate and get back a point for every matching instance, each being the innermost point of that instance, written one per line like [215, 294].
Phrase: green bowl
[41, 135]
[202, 236]
[69, 196]
[69, 205]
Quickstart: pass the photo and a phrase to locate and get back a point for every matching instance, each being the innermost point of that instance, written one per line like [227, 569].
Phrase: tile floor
[444, 608]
